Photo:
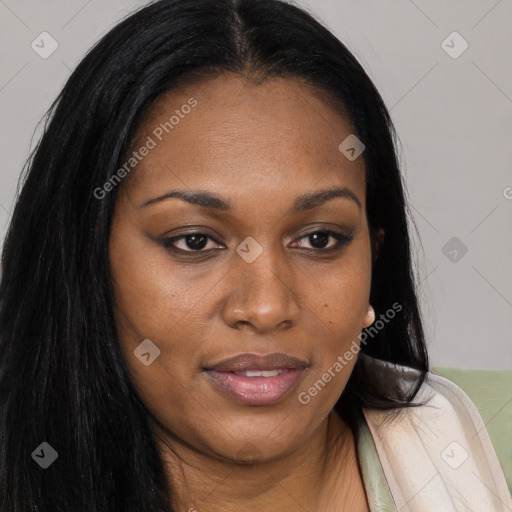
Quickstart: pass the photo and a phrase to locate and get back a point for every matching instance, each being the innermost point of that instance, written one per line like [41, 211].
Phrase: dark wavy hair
[63, 379]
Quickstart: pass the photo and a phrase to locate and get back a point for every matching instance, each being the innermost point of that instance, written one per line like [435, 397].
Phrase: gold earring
[371, 314]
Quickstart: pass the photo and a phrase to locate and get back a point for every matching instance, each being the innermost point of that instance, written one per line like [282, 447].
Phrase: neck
[309, 475]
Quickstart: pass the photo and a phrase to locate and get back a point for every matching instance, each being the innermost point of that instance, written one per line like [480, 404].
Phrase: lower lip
[256, 390]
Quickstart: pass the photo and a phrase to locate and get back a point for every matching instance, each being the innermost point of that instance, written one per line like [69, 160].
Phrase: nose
[262, 297]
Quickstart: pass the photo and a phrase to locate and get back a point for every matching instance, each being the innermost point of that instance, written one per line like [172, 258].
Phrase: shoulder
[439, 454]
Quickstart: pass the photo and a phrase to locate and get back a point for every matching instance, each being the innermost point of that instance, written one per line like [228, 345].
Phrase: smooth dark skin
[259, 147]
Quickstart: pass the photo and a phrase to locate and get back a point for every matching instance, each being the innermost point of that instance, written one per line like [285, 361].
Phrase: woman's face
[254, 279]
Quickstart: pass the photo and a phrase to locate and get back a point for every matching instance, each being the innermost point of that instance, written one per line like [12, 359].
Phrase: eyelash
[341, 239]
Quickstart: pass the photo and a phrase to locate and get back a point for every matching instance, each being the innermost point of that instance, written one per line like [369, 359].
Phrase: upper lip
[251, 361]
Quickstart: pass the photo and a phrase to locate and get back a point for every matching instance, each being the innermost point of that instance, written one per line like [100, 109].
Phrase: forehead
[231, 136]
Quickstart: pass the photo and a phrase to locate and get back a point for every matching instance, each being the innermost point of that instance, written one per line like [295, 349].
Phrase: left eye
[196, 242]
[321, 238]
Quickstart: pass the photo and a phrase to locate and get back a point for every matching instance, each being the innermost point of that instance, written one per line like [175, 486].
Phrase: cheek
[339, 295]
[339, 301]
[154, 301]
[149, 306]
[147, 290]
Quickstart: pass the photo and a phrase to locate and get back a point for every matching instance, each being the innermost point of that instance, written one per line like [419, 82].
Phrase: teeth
[262, 373]
[254, 373]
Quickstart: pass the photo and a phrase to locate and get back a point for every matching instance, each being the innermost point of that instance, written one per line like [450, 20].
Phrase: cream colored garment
[438, 457]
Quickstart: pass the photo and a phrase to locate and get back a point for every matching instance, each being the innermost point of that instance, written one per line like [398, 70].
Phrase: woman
[207, 296]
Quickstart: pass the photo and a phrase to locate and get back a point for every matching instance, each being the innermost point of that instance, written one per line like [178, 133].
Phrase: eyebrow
[215, 202]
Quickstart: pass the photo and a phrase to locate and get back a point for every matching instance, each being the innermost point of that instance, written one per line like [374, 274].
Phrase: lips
[253, 379]
[251, 361]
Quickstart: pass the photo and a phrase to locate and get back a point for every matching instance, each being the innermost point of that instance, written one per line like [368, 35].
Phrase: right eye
[190, 242]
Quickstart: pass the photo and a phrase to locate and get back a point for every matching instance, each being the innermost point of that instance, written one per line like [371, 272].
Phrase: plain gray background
[453, 116]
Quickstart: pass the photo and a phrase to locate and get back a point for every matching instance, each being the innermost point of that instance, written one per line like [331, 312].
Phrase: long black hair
[63, 380]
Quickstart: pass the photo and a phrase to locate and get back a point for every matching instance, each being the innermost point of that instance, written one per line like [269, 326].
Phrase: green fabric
[375, 483]
[491, 392]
